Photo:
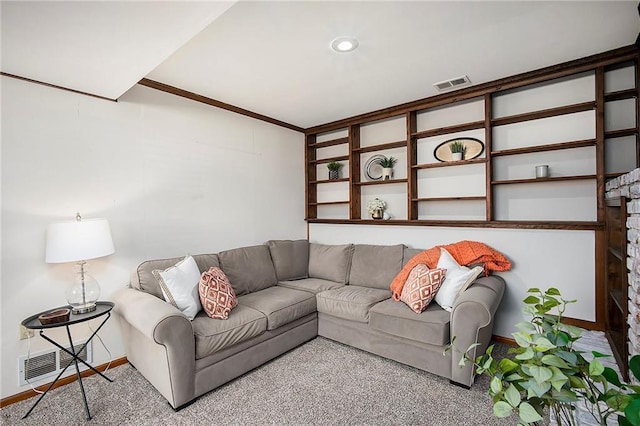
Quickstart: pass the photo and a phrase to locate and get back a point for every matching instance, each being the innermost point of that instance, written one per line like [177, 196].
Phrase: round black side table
[33, 323]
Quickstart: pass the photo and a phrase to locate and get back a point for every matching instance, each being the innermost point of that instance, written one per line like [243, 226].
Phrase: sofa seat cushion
[396, 318]
[213, 335]
[280, 305]
[313, 285]
[350, 302]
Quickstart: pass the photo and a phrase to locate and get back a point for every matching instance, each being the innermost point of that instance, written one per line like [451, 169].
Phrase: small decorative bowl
[54, 317]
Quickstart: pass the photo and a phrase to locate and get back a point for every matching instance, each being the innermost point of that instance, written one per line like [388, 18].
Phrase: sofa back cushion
[375, 266]
[142, 278]
[249, 269]
[409, 253]
[330, 262]
[290, 258]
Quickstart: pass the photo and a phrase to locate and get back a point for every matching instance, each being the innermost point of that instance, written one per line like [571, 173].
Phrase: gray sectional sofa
[289, 292]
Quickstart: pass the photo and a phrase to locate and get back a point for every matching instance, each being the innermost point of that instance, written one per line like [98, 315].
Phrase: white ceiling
[97, 47]
[273, 58]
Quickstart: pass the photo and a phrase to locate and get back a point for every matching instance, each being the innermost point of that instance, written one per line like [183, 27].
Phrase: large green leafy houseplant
[547, 373]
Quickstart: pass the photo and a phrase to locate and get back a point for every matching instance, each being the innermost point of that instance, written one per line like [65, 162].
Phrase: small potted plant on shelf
[387, 167]
[457, 150]
[334, 170]
[376, 208]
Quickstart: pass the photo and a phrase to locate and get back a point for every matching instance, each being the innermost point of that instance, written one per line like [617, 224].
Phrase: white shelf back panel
[393, 129]
[453, 181]
[563, 128]
[451, 114]
[334, 211]
[332, 151]
[338, 191]
[620, 154]
[620, 115]
[620, 79]
[564, 91]
[337, 134]
[452, 210]
[569, 201]
[568, 162]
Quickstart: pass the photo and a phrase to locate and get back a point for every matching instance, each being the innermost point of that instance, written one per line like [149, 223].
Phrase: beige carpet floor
[319, 383]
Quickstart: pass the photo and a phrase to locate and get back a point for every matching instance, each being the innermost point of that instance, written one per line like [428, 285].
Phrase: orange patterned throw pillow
[421, 287]
[216, 294]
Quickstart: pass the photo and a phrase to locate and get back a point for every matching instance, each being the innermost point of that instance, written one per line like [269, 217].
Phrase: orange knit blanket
[464, 252]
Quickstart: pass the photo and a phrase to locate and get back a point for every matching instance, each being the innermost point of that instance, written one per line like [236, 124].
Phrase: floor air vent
[49, 363]
[454, 83]
[37, 366]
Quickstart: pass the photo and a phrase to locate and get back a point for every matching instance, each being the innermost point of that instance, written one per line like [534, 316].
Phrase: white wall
[540, 258]
[172, 176]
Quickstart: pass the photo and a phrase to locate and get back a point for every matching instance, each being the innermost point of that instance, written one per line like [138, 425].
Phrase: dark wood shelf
[328, 181]
[611, 134]
[612, 202]
[373, 148]
[616, 284]
[545, 113]
[616, 296]
[462, 198]
[620, 95]
[449, 129]
[380, 182]
[328, 203]
[540, 180]
[330, 159]
[576, 226]
[616, 252]
[613, 174]
[332, 142]
[449, 163]
[543, 148]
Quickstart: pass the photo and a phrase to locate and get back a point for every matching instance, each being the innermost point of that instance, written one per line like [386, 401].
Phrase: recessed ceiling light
[344, 44]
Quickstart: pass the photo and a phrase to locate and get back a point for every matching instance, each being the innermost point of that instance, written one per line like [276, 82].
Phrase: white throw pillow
[179, 286]
[456, 281]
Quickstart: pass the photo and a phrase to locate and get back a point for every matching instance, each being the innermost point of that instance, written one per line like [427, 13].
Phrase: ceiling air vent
[454, 83]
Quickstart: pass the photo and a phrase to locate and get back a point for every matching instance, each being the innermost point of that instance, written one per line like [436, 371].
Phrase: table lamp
[79, 241]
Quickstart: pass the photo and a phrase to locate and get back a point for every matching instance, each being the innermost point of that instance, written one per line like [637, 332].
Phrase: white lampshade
[77, 240]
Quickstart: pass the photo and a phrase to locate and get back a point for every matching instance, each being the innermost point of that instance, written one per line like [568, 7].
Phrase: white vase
[387, 173]
[456, 156]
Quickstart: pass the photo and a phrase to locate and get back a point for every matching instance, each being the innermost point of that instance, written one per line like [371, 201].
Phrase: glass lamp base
[83, 309]
[84, 293]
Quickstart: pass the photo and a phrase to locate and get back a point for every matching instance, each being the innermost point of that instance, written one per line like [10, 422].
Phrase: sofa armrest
[159, 342]
[472, 322]
[148, 314]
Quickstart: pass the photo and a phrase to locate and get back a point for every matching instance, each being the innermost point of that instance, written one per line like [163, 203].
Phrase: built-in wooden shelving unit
[616, 287]
[510, 154]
